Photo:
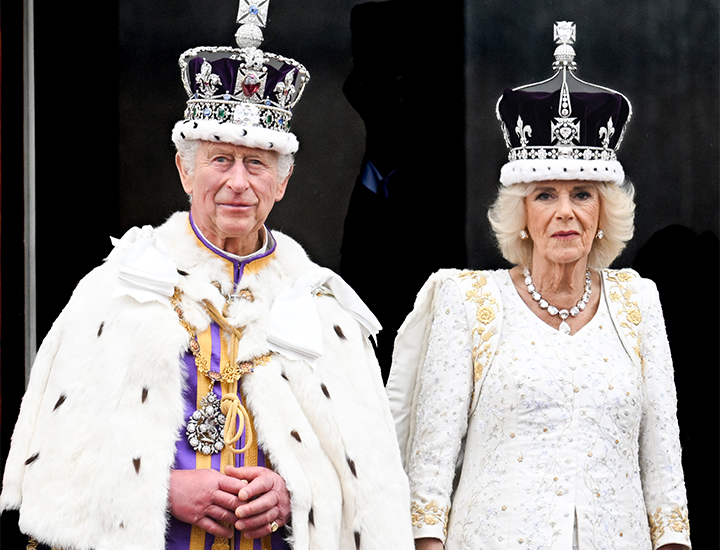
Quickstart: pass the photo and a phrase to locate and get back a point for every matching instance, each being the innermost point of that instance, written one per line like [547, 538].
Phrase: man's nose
[238, 177]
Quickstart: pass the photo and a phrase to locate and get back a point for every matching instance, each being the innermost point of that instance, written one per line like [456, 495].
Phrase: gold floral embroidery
[33, 544]
[486, 313]
[428, 513]
[629, 309]
[624, 277]
[677, 520]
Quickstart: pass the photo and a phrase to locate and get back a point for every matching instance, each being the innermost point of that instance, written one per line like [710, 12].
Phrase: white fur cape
[95, 442]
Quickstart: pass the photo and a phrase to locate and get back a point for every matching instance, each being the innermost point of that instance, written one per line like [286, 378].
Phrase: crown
[241, 95]
[563, 128]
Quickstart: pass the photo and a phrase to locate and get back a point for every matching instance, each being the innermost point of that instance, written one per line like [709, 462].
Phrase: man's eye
[254, 163]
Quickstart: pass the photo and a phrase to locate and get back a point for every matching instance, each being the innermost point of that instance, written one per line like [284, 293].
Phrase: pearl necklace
[552, 310]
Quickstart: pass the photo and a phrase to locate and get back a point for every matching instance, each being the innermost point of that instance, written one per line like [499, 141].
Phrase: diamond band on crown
[577, 153]
[238, 112]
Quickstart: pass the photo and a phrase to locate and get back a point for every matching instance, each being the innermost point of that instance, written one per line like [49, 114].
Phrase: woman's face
[562, 220]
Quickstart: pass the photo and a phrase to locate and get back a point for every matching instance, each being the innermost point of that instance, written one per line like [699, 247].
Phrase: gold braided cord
[232, 408]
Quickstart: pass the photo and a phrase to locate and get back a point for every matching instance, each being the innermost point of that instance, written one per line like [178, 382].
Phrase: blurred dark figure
[406, 216]
[690, 306]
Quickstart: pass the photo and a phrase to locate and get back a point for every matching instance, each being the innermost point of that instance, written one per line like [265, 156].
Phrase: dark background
[411, 84]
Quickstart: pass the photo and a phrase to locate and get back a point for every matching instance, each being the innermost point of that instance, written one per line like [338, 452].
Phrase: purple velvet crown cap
[228, 70]
[538, 109]
[563, 128]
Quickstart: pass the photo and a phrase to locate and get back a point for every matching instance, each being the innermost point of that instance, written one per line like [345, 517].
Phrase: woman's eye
[583, 195]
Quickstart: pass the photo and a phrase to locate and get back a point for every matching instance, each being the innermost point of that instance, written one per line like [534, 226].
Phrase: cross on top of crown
[564, 32]
[253, 12]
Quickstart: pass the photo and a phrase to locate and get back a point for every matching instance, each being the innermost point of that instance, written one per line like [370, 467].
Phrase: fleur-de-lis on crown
[285, 89]
[253, 59]
[523, 132]
[606, 133]
[207, 81]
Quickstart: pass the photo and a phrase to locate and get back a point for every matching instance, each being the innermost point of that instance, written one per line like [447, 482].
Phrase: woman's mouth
[565, 234]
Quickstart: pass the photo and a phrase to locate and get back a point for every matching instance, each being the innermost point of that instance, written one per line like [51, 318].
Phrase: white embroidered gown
[567, 447]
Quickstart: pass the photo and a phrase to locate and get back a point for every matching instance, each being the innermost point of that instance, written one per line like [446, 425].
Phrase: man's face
[233, 189]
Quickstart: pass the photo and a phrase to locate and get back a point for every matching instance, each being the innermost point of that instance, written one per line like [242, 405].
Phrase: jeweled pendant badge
[204, 429]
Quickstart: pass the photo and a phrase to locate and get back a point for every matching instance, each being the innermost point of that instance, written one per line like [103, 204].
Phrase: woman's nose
[565, 208]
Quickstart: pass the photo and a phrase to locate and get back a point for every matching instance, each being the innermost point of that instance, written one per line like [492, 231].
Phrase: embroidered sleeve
[443, 402]
[660, 454]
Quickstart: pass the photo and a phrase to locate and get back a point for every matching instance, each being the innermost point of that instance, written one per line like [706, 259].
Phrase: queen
[535, 407]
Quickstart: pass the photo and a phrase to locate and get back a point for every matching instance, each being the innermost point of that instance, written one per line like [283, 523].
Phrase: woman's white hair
[187, 149]
[508, 217]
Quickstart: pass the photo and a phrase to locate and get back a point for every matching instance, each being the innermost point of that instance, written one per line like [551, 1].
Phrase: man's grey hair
[187, 149]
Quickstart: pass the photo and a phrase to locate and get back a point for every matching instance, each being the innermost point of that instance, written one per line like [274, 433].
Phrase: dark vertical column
[12, 336]
[76, 175]
[406, 217]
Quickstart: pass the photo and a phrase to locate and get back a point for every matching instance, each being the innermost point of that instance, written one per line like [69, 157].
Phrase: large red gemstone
[250, 85]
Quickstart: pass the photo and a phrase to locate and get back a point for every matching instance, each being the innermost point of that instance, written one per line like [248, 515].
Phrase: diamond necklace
[552, 310]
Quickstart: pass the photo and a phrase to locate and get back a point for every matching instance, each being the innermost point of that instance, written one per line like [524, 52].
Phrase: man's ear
[185, 178]
[283, 185]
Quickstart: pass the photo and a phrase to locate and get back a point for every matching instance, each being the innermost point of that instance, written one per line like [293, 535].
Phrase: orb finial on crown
[564, 35]
[252, 15]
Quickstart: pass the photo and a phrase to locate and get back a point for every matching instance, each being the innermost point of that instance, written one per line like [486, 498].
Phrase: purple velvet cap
[538, 109]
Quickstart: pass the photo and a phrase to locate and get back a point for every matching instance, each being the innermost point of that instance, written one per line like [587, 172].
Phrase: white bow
[295, 329]
[147, 272]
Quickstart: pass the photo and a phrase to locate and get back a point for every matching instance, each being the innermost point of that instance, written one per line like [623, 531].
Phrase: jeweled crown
[563, 127]
[242, 95]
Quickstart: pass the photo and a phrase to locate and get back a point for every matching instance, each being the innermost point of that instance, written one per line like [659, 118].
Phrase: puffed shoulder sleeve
[441, 413]
[660, 453]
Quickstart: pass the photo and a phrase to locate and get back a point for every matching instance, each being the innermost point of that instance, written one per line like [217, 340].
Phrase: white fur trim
[249, 136]
[533, 170]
